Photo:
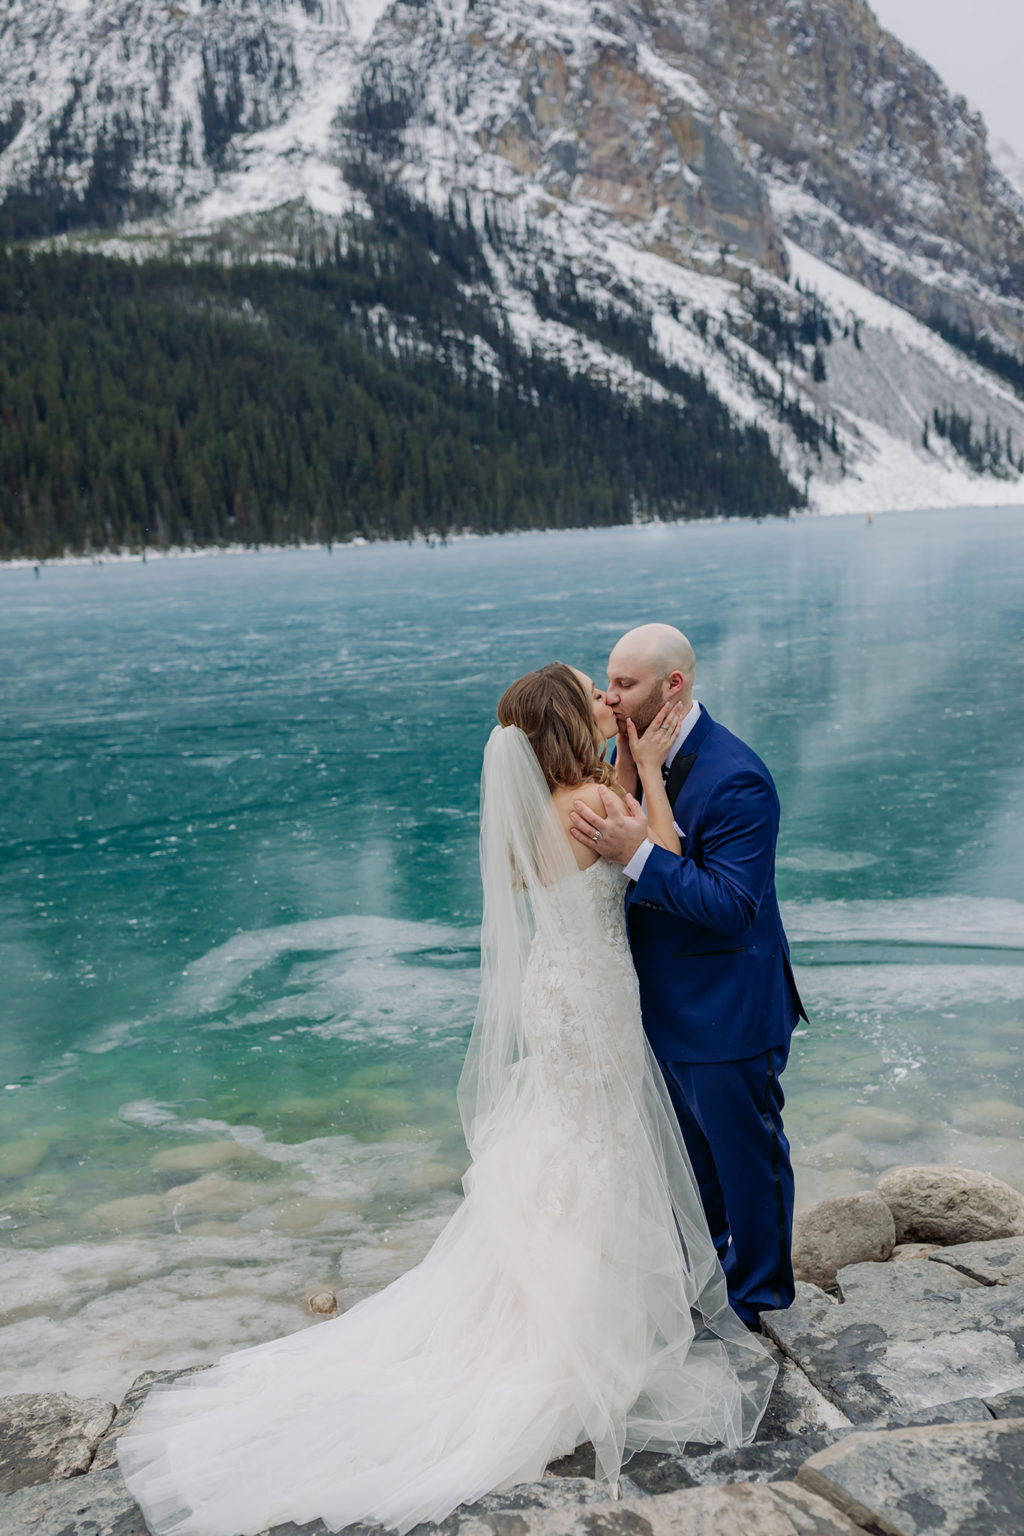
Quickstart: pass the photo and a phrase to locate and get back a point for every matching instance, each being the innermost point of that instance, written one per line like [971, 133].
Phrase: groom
[716, 986]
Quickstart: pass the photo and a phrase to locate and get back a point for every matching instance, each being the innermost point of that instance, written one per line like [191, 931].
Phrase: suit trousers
[730, 1114]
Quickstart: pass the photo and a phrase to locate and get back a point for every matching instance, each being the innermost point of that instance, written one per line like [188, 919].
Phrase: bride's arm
[625, 767]
[648, 752]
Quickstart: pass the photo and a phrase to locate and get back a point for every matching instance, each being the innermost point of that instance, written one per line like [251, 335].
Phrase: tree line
[371, 390]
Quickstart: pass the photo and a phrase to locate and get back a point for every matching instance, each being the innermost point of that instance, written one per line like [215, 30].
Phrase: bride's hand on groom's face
[650, 750]
[617, 834]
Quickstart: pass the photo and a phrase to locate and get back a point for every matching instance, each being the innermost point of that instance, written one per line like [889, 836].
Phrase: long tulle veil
[525, 858]
[700, 1374]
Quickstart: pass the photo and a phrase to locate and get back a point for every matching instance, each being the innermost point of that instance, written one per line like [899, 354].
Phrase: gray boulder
[796, 1407]
[98, 1504]
[996, 1262]
[1006, 1405]
[948, 1480]
[48, 1435]
[767, 1461]
[778, 1509]
[852, 1229]
[938, 1204]
[905, 1338]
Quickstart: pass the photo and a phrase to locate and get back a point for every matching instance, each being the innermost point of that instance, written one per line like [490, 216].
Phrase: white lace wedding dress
[574, 1295]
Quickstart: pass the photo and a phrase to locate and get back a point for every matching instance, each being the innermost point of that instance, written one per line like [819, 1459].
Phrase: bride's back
[563, 799]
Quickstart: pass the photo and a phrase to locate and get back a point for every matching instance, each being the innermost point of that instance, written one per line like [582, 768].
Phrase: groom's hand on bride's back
[618, 833]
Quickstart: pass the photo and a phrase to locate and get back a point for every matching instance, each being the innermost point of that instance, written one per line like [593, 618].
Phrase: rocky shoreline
[899, 1406]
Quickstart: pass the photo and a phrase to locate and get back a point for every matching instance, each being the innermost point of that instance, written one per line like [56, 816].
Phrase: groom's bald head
[660, 648]
[646, 667]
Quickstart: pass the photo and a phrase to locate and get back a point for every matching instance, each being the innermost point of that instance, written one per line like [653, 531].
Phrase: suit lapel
[681, 765]
[684, 761]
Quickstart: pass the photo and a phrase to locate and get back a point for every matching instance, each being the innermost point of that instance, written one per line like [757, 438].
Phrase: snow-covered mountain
[790, 195]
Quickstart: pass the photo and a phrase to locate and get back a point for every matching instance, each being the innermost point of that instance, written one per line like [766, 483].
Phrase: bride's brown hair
[555, 711]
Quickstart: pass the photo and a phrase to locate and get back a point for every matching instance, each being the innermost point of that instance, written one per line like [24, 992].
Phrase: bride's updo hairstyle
[556, 713]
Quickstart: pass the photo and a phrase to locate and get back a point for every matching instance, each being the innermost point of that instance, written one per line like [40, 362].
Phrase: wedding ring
[596, 836]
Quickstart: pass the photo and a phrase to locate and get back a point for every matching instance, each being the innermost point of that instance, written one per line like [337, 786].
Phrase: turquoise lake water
[239, 891]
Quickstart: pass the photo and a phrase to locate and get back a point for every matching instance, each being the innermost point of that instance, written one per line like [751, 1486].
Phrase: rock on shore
[48, 1435]
[953, 1477]
[936, 1204]
[853, 1229]
[932, 1204]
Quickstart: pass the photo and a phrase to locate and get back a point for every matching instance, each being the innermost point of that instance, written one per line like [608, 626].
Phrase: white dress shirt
[634, 868]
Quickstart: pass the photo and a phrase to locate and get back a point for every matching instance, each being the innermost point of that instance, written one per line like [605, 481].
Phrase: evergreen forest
[370, 389]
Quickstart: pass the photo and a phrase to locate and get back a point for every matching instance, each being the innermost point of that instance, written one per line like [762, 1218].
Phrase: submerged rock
[46, 1436]
[982, 1116]
[212, 1195]
[871, 1123]
[129, 1213]
[304, 1213]
[204, 1157]
[849, 1230]
[19, 1158]
[937, 1204]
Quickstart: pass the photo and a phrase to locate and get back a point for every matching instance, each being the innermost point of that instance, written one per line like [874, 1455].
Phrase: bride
[575, 1294]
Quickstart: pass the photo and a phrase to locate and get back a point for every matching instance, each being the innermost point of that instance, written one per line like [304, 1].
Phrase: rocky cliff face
[870, 162]
[583, 107]
[688, 157]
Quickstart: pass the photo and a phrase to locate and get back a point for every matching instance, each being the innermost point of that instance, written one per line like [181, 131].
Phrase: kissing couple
[628, 1204]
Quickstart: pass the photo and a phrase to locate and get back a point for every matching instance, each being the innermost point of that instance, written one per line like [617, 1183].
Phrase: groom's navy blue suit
[720, 1003]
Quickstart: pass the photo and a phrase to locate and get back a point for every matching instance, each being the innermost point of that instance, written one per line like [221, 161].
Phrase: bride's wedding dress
[575, 1294]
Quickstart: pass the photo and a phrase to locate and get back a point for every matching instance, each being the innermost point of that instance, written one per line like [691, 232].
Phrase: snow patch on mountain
[885, 390]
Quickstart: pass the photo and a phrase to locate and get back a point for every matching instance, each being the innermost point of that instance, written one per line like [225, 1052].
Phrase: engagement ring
[596, 836]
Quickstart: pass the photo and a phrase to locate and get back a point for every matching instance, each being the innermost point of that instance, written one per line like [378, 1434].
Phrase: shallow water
[239, 889]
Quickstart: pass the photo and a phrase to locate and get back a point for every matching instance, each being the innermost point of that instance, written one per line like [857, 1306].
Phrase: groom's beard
[644, 712]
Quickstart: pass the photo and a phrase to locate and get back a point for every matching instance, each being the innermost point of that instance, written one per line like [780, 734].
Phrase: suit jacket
[712, 959]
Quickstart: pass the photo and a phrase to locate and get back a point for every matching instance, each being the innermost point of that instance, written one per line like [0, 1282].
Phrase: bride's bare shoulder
[562, 799]
[564, 796]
